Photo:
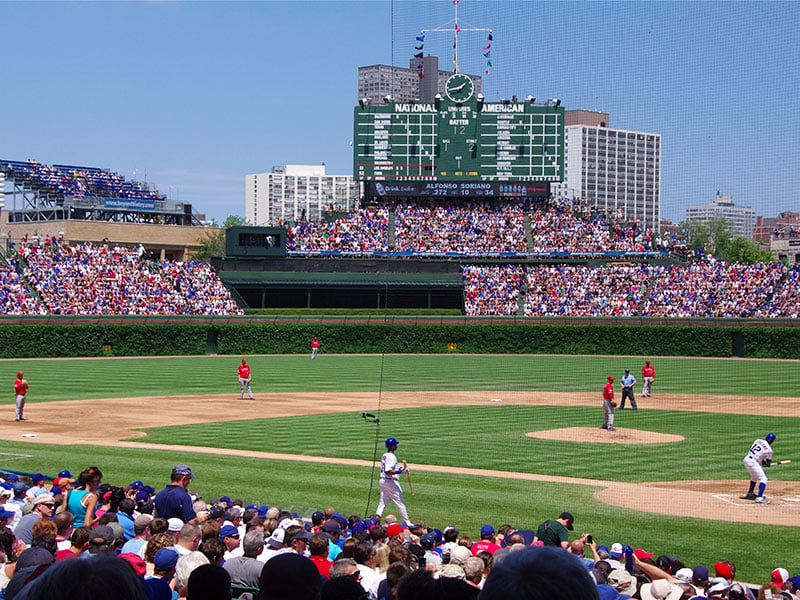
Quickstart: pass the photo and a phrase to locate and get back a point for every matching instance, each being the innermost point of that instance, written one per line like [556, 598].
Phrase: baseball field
[489, 439]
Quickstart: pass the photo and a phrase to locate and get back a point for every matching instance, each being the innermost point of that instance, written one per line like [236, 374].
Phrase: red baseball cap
[723, 570]
[19, 374]
[610, 378]
[244, 361]
[641, 554]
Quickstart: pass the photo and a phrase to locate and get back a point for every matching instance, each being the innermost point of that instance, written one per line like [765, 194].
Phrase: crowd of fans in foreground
[89, 279]
[711, 289]
[81, 538]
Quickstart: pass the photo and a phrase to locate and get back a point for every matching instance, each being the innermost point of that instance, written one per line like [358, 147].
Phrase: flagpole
[455, 41]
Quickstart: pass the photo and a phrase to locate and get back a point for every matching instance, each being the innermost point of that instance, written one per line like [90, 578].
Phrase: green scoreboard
[467, 140]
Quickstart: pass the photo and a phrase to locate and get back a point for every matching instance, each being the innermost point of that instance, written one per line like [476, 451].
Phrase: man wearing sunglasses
[43, 508]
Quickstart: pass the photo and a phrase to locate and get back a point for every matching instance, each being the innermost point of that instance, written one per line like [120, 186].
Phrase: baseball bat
[410, 487]
[782, 462]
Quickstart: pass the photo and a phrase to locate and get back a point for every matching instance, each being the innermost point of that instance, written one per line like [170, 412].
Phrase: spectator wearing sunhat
[43, 508]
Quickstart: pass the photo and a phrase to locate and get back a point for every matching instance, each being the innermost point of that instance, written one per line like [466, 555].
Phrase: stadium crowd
[78, 181]
[83, 538]
[710, 289]
[89, 279]
[468, 227]
[363, 230]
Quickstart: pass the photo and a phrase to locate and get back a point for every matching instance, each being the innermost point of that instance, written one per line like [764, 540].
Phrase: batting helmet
[770, 438]
[391, 442]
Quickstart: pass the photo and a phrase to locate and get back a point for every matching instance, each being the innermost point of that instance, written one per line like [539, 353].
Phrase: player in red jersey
[20, 390]
[244, 379]
[608, 405]
[314, 348]
[648, 376]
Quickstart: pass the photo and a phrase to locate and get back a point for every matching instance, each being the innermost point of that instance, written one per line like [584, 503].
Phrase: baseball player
[628, 381]
[20, 390]
[244, 379]
[608, 405]
[759, 456]
[314, 348]
[648, 375]
[390, 484]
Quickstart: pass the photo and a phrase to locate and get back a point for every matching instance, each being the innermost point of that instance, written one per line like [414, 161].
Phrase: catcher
[244, 379]
[20, 390]
[608, 405]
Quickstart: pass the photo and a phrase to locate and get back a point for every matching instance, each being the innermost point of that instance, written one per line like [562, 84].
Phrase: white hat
[661, 589]
[684, 574]
[175, 524]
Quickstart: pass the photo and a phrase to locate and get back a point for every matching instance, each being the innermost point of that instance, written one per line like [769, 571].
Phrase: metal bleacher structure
[37, 192]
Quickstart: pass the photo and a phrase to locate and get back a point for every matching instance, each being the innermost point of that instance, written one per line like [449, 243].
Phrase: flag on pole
[486, 47]
[421, 38]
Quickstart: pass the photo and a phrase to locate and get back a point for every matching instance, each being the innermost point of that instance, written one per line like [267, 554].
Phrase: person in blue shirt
[628, 381]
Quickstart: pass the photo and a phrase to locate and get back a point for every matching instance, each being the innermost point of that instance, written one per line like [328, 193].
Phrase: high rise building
[618, 170]
[741, 218]
[375, 82]
[296, 192]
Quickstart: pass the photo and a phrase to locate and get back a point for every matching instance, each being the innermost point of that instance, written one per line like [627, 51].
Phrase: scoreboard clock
[459, 88]
[459, 138]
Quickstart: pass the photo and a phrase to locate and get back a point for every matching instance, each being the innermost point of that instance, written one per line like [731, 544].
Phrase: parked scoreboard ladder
[450, 141]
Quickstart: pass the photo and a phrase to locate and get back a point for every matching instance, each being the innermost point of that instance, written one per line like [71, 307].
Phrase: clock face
[459, 88]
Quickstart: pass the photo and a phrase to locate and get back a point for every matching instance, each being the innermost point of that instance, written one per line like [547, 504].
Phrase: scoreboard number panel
[459, 141]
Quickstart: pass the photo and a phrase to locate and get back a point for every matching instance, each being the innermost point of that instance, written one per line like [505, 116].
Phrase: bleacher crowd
[79, 537]
[77, 181]
[89, 279]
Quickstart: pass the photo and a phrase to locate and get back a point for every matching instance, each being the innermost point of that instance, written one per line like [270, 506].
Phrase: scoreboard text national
[459, 141]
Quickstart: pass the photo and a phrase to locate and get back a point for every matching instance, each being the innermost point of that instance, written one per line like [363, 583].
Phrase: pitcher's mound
[597, 435]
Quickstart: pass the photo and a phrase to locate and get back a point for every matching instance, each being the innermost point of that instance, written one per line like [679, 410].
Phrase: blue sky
[196, 95]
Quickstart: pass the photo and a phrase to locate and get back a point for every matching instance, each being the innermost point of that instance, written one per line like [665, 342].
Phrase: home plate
[496, 400]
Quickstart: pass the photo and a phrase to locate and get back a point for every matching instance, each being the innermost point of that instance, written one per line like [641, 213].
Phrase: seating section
[101, 280]
[81, 182]
[363, 230]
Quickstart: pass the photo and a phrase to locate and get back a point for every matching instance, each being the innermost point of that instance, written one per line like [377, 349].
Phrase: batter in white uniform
[758, 457]
[390, 485]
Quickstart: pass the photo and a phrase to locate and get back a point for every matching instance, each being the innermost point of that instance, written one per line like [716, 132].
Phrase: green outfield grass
[493, 437]
[74, 379]
[482, 436]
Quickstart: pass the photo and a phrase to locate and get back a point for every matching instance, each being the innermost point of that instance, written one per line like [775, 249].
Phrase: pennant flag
[419, 66]
[419, 47]
[457, 29]
[418, 55]
[421, 38]
[486, 47]
[488, 63]
[420, 74]
[487, 71]
[455, 1]
[490, 37]
[487, 54]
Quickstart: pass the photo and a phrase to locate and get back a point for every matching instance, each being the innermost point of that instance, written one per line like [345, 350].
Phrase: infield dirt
[105, 422]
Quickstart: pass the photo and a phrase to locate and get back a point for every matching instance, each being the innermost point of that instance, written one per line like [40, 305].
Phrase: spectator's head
[181, 475]
[63, 522]
[183, 569]
[253, 543]
[209, 582]
[44, 505]
[318, 544]
[345, 567]
[539, 573]
[230, 537]
[90, 478]
[290, 577]
[101, 540]
[101, 577]
[214, 550]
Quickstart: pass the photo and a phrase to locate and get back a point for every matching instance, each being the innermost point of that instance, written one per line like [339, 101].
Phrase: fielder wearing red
[314, 348]
[648, 375]
[244, 379]
[20, 390]
[608, 405]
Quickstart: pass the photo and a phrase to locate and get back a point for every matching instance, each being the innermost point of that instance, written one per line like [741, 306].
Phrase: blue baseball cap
[228, 531]
[65, 473]
[487, 530]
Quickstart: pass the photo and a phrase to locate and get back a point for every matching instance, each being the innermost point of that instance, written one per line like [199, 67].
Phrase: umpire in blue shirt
[628, 382]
